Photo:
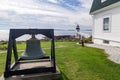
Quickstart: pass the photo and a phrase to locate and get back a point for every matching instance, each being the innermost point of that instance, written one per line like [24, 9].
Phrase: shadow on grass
[63, 76]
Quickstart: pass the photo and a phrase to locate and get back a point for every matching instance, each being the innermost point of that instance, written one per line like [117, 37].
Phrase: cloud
[53, 1]
[44, 13]
[86, 4]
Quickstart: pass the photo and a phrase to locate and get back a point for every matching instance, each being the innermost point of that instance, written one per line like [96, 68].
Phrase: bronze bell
[33, 49]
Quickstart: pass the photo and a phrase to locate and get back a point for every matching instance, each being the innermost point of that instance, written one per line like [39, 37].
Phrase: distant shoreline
[4, 34]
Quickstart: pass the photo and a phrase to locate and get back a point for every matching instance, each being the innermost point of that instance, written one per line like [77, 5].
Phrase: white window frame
[107, 24]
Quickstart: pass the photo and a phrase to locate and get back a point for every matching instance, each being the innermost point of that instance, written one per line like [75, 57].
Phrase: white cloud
[47, 13]
[53, 1]
[86, 4]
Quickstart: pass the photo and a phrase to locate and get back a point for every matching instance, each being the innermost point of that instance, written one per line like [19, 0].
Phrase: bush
[88, 40]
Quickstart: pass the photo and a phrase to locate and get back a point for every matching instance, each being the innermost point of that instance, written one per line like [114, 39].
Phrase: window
[106, 41]
[106, 24]
[103, 1]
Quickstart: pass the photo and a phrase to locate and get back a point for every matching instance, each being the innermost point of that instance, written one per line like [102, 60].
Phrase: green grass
[78, 63]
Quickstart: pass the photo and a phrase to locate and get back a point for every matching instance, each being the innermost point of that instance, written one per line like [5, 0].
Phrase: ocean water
[4, 34]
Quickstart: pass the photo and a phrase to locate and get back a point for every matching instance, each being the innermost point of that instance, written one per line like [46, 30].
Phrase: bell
[33, 49]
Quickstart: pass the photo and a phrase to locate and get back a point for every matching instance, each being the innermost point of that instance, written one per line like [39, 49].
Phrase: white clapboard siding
[114, 34]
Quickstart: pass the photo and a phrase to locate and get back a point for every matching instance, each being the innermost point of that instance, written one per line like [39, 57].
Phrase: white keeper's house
[106, 22]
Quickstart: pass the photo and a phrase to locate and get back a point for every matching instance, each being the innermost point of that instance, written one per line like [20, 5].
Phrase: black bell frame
[15, 33]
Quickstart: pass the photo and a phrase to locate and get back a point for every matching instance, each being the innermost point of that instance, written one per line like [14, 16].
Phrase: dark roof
[98, 5]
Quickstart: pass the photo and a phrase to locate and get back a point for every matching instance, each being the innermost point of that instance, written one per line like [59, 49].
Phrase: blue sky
[57, 14]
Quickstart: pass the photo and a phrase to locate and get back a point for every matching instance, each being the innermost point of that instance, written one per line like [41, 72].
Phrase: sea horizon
[4, 34]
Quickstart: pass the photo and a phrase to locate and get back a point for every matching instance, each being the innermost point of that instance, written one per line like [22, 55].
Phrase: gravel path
[113, 52]
[5, 51]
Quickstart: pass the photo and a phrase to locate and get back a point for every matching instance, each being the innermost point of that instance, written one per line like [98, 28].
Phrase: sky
[47, 14]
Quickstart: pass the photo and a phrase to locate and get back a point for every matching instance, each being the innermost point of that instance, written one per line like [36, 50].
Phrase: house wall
[113, 35]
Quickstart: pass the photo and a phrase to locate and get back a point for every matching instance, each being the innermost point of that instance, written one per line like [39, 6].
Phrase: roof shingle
[98, 5]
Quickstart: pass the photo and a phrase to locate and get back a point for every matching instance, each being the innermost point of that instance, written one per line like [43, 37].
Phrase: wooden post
[82, 41]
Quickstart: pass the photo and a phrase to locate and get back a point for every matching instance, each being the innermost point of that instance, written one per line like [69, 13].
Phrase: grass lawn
[78, 63]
